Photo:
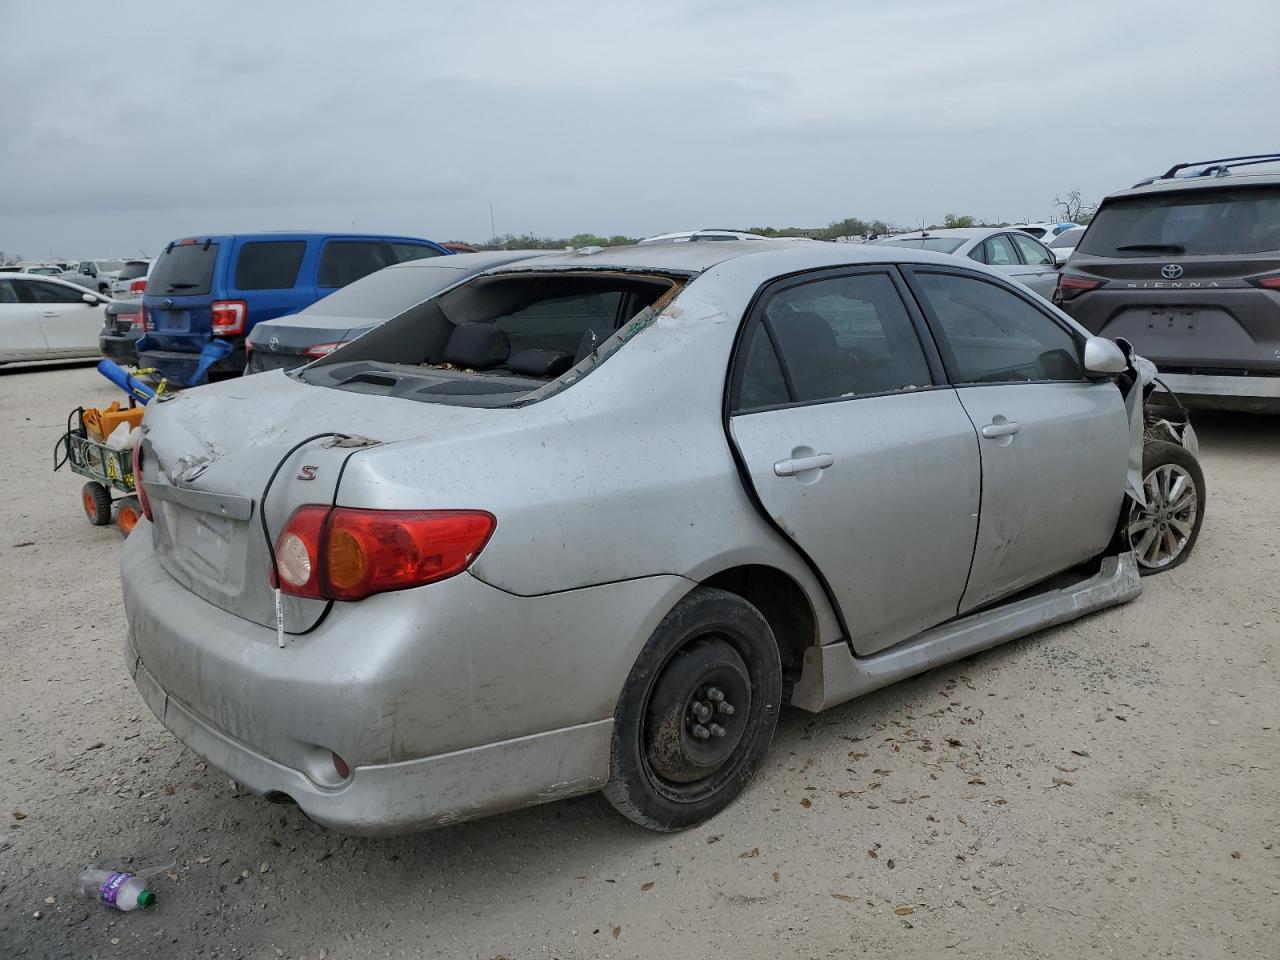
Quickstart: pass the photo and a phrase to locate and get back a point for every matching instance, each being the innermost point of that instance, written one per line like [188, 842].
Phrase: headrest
[539, 363]
[476, 346]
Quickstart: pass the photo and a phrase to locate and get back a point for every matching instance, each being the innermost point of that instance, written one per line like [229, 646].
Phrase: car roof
[43, 278]
[957, 233]
[1192, 184]
[196, 238]
[480, 260]
[766, 258]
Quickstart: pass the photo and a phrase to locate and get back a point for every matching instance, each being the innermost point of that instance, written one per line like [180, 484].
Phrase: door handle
[789, 468]
[1001, 428]
[50, 313]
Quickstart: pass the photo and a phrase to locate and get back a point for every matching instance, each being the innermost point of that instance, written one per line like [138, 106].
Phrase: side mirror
[90, 299]
[1103, 357]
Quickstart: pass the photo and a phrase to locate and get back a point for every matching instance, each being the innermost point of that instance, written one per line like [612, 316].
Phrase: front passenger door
[70, 326]
[856, 451]
[1055, 445]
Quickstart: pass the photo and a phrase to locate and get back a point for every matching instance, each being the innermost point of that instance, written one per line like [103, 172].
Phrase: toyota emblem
[1171, 271]
[274, 343]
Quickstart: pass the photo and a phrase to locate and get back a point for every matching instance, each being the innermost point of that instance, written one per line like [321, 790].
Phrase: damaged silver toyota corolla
[590, 521]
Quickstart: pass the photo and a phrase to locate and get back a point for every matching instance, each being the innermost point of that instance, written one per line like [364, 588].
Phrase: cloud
[166, 120]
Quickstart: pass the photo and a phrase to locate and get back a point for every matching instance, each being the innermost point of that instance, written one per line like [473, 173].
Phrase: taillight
[1070, 286]
[227, 317]
[143, 500]
[1270, 281]
[322, 349]
[141, 321]
[346, 553]
[138, 286]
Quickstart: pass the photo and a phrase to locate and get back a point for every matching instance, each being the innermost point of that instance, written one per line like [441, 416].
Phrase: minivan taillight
[1268, 281]
[227, 317]
[1070, 286]
[349, 553]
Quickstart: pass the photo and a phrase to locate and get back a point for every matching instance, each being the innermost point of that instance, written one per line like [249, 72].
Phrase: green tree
[952, 220]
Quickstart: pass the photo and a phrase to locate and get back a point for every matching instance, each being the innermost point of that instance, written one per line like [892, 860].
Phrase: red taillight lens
[227, 317]
[143, 500]
[345, 553]
[138, 286]
[1270, 281]
[1070, 286]
[142, 321]
[322, 349]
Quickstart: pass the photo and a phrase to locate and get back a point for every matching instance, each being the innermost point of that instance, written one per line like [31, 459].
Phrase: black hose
[262, 504]
[1175, 397]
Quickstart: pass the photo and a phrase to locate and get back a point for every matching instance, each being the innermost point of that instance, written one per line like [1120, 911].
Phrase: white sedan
[1007, 249]
[43, 318]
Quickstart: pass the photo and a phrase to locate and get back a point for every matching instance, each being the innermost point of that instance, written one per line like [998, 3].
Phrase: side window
[845, 337]
[7, 293]
[345, 261]
[1033, 251]
[400, 252]
[979, 253]
[560, 323]
[271, 265]
[52, 293]
[994, 335]
[1000, 252]
[759, 381]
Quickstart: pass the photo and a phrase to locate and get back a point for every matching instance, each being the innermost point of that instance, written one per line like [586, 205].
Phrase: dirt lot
[1107, 788]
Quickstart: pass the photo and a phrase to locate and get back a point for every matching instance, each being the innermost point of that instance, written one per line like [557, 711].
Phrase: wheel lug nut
[716, 730]
[700, 731]
[725, 707]
[714, 694]
[701, 711]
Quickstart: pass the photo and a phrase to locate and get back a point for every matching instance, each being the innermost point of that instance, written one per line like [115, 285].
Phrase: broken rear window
[495, 340]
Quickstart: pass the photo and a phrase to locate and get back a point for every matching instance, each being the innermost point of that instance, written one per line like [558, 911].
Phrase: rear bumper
[1257, 394]
[178, 366]
[119, 347]
[450, 701]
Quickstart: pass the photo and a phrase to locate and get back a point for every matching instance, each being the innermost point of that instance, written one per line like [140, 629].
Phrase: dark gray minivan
[1186, 266]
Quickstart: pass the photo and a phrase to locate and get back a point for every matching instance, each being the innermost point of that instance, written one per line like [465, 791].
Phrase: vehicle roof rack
[1212, 168]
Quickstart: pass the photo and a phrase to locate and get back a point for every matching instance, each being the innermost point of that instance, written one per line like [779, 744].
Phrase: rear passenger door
[1054, 444]
[264, 275]
[20, 333]
[69, 325]
[856, 450]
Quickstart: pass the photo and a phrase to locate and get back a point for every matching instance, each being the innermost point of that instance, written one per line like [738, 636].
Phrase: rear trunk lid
[207, 456]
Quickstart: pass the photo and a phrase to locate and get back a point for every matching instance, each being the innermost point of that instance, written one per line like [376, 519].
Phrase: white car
[44, 318]
[98, 274]
[1006, 249]
[1064, 244]
[686, 236]
[39, 268]
[131, 282]
[1043, 231]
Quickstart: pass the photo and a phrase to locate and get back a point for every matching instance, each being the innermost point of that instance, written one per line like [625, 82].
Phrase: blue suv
[205, 294]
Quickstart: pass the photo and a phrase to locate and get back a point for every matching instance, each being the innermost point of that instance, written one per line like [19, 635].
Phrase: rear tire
[1163, 534]
[96, 500]
[696, 713]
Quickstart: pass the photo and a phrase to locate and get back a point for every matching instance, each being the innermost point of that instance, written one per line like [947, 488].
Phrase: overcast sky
[128, 124]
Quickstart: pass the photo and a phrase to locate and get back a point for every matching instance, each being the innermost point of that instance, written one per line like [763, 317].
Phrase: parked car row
[45, 318]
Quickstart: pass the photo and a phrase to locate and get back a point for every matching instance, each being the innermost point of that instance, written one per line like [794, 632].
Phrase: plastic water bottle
[122, 891]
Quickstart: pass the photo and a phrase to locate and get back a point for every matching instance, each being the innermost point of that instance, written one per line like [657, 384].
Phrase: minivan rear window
[269, 265]
[1199, 222]
[184, 270]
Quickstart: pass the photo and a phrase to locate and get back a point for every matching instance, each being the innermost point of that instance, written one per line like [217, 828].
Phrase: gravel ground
[1108, 788]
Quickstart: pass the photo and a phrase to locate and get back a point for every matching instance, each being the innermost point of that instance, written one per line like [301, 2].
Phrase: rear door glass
[184, 270]
[1197, 223]
[37, 292]
[1000, 252]
[269, 265]
[345, 261]
[1033, 252]
[400, 252]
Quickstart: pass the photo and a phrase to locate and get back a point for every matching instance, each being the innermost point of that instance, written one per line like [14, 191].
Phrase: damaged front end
[1149, 422]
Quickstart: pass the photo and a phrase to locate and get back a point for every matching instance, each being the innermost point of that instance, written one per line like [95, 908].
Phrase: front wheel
[1163, 533]
[696, 713]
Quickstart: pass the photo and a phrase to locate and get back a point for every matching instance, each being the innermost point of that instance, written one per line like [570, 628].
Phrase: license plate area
[1173, 322]
[209, 546]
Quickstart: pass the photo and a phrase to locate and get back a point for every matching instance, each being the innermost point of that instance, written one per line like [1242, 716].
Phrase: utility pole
[493, 231]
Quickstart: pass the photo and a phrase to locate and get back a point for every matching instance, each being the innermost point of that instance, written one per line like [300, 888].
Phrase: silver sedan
[588, 522]
[1006, 250]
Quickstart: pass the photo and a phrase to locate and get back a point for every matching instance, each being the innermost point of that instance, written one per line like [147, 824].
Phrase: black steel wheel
[696, 713]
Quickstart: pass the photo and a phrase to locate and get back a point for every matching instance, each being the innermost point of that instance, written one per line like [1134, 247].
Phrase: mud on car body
[589, 521]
